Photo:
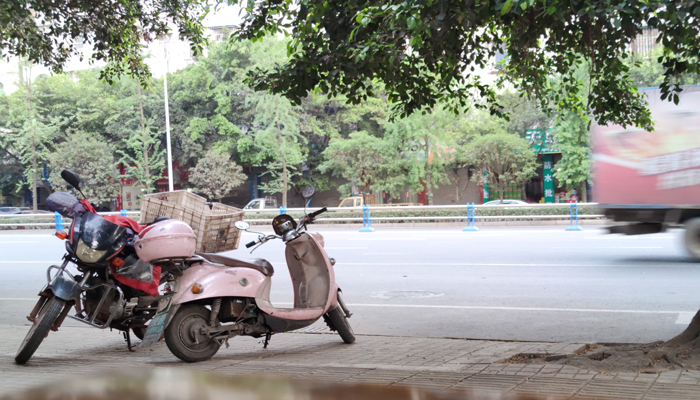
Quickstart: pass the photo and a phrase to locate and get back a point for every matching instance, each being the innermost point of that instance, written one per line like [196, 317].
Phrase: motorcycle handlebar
[251, 244]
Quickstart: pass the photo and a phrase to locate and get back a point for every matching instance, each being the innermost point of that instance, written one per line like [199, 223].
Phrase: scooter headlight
[88, 255]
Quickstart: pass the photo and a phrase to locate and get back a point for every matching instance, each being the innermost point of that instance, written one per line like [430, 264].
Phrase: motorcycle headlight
[87, 254]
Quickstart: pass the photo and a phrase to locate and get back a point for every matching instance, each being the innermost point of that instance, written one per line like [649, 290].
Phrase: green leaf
[551, 10]
[506, 7]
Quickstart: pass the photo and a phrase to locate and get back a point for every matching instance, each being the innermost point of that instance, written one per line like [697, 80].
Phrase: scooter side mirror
[242, 225]
[308, 191]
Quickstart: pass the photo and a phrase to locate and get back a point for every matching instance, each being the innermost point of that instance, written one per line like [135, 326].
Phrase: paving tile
[673, 391]
[550, 386]
[489, 381]
[440, 364]
[613, 389]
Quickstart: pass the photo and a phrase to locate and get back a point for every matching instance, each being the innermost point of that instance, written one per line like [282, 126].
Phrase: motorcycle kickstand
[127, 336]
[267, 340]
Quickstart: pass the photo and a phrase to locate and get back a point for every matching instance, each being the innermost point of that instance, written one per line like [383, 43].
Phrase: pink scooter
[217, 297]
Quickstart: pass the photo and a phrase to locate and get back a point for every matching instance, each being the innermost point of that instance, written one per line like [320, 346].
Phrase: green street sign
[541, 142]
[548, 179]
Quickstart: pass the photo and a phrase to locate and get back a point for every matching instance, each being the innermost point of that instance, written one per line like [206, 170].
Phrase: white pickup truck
[269, 202]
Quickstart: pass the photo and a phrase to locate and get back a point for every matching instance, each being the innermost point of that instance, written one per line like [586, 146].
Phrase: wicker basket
[212, 223]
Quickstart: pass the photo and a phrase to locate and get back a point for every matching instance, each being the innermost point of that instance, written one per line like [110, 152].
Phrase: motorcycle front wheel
[40, 328]
[184, 338]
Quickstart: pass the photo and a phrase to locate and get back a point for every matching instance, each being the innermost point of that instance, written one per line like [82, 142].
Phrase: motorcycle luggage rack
[90, 318]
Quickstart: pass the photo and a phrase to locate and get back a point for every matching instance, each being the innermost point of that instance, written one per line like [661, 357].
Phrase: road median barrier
[471, 213]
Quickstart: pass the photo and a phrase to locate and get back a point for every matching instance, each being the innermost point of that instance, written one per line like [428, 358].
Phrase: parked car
[262, 203]
[505, 201]
[32, 212]
[10, 210]
[359, 201]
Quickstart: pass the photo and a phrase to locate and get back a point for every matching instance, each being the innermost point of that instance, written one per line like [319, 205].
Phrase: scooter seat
[257, 264]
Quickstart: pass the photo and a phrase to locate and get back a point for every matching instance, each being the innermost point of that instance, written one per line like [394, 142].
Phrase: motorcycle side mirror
[308, 191]
[71, 177]
[242, 225]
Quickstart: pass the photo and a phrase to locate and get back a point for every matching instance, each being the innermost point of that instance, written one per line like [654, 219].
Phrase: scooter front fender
[217, 281]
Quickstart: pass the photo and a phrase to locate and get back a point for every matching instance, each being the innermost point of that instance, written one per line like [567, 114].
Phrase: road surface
[507, 283]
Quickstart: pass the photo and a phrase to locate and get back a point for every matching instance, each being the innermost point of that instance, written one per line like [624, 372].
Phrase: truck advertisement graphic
[633, 166]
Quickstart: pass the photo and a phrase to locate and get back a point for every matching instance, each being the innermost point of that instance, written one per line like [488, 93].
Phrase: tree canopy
[430, 51]
[50, 32]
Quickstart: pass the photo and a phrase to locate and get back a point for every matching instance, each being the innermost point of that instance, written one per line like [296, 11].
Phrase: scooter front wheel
[336, 320]
[40, 328]
[184, 337]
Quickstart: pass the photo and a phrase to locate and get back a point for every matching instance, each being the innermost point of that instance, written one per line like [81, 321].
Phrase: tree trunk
[34, 167]
[690, 336]
[34, 161]
[429, 189]
[584, 193]
[428, 175]
[144, 138]
[457, 184]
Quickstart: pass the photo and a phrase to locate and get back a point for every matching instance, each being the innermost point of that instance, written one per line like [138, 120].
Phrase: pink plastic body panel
[166, 239]
[218, 281]
[333, 295]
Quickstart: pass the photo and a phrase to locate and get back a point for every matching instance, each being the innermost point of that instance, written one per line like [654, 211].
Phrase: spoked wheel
[40, 328]
[336, 320]
[184, 338]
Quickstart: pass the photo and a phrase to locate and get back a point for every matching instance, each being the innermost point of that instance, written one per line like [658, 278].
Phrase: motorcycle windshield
[100, 234]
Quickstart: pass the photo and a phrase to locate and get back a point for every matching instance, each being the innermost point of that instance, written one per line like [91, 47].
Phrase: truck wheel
[692, 237]
[184, 338]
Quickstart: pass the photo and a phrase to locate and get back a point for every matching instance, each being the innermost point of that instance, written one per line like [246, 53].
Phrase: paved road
[531, 284]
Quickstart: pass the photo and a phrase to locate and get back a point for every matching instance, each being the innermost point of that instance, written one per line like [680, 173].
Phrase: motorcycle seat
[258, 264]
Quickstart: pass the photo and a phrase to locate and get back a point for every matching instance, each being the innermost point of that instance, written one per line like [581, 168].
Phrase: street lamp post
[167, 117]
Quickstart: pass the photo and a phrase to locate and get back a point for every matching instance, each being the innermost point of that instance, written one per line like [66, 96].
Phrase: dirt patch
[652, 358]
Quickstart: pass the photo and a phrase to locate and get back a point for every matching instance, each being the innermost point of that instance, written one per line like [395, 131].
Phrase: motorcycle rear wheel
[45, 318]
[182, 335]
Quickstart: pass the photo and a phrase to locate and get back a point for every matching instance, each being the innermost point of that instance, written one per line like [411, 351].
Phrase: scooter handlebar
[319, 212]
[251, 244]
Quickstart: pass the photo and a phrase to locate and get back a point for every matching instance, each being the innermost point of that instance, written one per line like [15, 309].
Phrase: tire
[335, 319]
[139, 331]
[42, 324]
[692, 237]
[180, 334]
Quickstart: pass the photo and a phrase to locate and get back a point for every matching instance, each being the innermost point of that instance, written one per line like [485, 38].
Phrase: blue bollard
[366, 220]
[122, 213]
[471, 212]
[573, 218]
[59, 221]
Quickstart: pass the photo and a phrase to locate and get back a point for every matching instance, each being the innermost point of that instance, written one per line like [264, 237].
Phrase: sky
[224, 15]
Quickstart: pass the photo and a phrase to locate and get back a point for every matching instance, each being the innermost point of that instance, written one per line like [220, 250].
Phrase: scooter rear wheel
[183, 335]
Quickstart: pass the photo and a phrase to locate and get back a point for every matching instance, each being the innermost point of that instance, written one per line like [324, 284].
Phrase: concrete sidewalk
[446, 364]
